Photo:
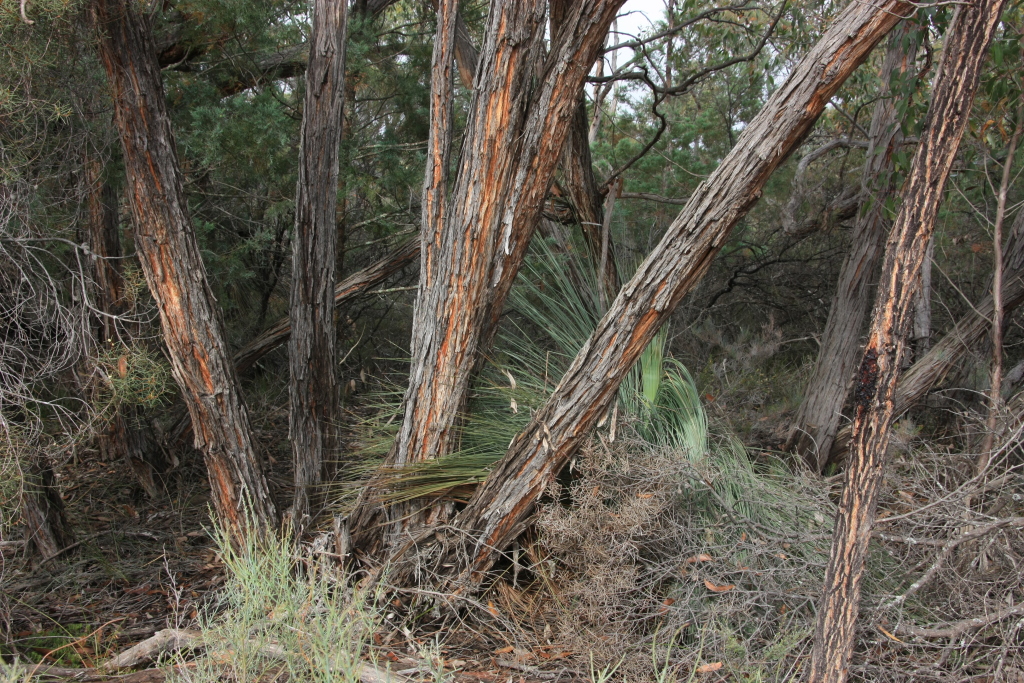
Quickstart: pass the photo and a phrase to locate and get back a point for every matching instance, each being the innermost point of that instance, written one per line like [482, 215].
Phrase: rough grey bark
[962, 340]
[169, 254]
[818, 416]
[922, 336]
[517, 126]
[312, 349]
[967, 43]
[502, 505]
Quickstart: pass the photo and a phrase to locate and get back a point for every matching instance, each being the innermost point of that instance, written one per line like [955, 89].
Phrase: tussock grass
[280, 612]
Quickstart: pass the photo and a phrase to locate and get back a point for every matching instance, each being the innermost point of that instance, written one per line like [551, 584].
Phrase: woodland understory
[446, 341]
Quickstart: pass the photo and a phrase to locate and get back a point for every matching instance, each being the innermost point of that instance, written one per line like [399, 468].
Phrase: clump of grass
[14, 672]
[279, 613]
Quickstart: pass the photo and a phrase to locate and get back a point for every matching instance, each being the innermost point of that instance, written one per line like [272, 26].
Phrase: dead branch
[956, 629]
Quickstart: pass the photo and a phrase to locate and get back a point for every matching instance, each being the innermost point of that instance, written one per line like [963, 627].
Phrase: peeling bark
[502, 505]
[967, 43]
[519, 119]
[312, 349]
[169, 254]
[817, 419]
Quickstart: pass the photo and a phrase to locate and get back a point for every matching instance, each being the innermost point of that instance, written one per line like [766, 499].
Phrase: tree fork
[170, 258]
[503, 504]
[967, 43]
[517, 128]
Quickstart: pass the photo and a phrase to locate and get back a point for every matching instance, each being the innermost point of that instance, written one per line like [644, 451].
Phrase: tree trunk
[312, 350]
[518, 123]
[119, 437]
[998, 310]
[502, 505]
[104, 241]
[169, 254]
[922, 336]
[967, 42]
[581, 188]
[965, 336]
[817, 419]
[42, 510]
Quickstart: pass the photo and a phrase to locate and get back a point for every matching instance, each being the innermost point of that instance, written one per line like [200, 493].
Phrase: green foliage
[276, 613]
[135, 376]
[15, 672]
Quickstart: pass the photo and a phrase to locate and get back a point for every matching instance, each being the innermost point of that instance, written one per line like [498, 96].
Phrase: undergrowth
[281, 613]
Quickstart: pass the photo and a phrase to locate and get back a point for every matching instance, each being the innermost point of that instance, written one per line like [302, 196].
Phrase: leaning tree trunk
[517, 126]
[817, 419]
[169, 254]
[312, 349]
[503, 504]
[967, 42]
[963, 339]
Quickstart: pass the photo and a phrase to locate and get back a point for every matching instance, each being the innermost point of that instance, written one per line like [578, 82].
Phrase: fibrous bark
[169, 254]
[518, 122]
[817, 419]
[312, 349]
[503, 504]
[963, 339]
[967, 42]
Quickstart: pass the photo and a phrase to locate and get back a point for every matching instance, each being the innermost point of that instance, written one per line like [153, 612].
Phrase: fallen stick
[956, 629]
[167, 640]
[171, 640]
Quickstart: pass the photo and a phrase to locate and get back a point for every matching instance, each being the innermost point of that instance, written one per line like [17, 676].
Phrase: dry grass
[656, 564]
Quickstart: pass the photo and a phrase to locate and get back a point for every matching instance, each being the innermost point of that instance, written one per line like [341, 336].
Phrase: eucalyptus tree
[814, 427]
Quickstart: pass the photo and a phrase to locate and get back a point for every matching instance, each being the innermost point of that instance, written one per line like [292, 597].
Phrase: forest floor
[139, 566]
